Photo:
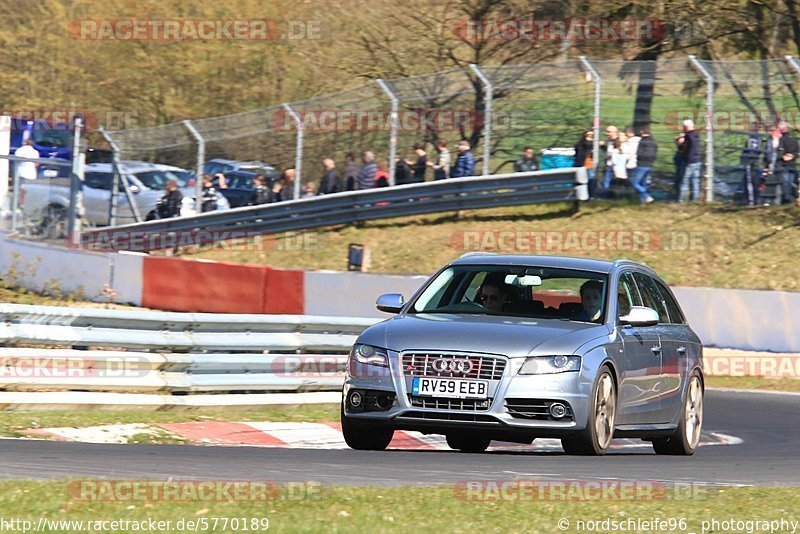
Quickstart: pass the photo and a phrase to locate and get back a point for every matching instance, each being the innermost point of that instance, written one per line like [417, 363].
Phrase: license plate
[448, 387]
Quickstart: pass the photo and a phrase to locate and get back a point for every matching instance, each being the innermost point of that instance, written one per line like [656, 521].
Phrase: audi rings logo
[446, 365]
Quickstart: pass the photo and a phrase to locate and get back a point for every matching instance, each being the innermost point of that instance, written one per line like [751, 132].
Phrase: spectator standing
[420, 166]
[170, 204]
[351, 169]
[527, 162]
[751, 154]
[786, 163]
[619, 159]
[465, 162]
[646, 152]
[402, 172]
[691, 174]
[441, 169]
[330, 182]
[284, 188]
[630, 147]
[771, 154]
[261, 193]
[609, 145]
[366, 175]
[382, 176]
[584, 151]
[27, 169]
[209, 198]
[679, 159]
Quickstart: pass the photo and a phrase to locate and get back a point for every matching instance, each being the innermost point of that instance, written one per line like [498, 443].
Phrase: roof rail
[477, 253]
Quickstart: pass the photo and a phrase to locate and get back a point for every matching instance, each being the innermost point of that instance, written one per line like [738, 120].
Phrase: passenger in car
[591, 300]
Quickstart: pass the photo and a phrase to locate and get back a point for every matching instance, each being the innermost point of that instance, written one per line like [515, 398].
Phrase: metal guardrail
[172, 352]
[557, 185]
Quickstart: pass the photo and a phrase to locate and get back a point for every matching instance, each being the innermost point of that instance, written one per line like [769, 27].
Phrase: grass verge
[753, 382]
[403, 509]
[702, 245]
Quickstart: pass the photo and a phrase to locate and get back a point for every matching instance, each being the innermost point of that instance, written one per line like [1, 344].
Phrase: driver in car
[591, 300]
[493, 292]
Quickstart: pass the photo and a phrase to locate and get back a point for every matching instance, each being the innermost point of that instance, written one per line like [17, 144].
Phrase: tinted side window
[99, 180]
[627, 294]
[651, 296]
[675, 314]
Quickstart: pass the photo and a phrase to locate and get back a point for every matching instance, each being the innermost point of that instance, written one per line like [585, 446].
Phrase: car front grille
[449, 416]
[536, 409]
[434, 403]
[480, 367]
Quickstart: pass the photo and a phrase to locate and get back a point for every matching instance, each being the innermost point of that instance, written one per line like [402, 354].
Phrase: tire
[596, 437]
[363, 438]
[684, 441]
[464, 443]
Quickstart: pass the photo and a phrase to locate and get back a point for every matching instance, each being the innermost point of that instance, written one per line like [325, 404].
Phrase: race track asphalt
[768, 455]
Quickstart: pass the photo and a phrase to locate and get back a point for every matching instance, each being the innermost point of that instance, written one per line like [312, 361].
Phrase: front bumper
[406, 412]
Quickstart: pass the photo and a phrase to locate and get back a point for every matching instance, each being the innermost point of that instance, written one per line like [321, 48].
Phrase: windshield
[52, 138]
[535, 292]
[158, 179]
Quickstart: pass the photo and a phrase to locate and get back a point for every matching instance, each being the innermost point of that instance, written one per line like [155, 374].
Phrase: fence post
[75, 214]
[487, 112]
[598, 86]
[298, 157]
[117, 169]
[709, 126]
[201, 159]
[15, 198]
[393, 126]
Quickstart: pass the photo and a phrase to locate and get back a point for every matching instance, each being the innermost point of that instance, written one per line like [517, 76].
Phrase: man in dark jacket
[645, 158]
[750, 158]
[465, 162]
[170, 204]
[261, 193]
[420, 166]
[694, 163]
[402, 172]
[786, 164]
[527, 162]
[330, 179]
[209, 199]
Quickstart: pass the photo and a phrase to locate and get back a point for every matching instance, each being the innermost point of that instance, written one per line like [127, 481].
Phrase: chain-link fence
[498, 109]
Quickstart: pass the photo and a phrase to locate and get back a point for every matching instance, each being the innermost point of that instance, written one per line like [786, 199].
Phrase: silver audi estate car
[512, 348]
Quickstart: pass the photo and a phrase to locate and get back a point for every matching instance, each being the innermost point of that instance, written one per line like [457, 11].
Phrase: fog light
[384, 402]
[558, 410]
[355, 399]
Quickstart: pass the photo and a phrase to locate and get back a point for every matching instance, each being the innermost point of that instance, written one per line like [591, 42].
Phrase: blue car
[50, 140]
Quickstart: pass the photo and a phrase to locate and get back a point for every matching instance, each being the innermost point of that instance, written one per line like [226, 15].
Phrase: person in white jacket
[630, 147]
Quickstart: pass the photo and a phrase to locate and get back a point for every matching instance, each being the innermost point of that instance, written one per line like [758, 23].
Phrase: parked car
[513, 348]
[46, 201]
[50, 140]
[239, 178]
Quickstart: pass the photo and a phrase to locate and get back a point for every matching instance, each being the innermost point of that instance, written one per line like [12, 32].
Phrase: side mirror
[640, 316]
[390, 303]
[134, 189]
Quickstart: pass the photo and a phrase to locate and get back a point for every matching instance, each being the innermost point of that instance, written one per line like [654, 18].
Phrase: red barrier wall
[219, 287]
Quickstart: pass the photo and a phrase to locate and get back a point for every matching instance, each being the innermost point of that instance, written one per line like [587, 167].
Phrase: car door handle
[656, 349]
[681, 350]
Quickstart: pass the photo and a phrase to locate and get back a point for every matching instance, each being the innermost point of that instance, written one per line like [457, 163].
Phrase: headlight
[546, 365]
[369, 355]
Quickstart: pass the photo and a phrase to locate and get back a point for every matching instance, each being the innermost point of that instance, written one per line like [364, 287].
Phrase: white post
[487, 119]
[393, 126]
[5, 149]
[598, 84]
[709, 126]
[201, 157]
[298, 156]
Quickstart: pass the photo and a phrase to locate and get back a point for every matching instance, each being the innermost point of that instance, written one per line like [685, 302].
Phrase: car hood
[510, 336]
